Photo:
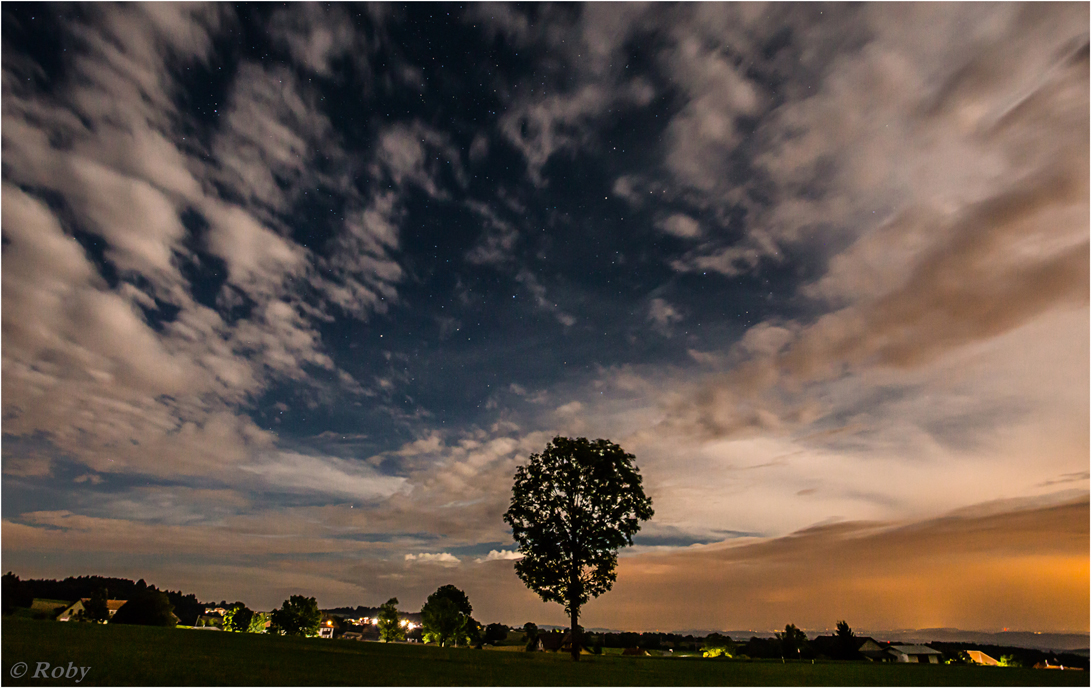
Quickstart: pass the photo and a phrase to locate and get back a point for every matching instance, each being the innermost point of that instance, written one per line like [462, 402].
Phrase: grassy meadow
[133, 655]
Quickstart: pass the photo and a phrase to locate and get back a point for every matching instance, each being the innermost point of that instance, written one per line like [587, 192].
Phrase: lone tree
[299, 616]
[572, 508]
[446, 617]
[390, 628]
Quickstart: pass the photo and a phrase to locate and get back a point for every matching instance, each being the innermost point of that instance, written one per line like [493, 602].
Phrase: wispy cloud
[326, 475]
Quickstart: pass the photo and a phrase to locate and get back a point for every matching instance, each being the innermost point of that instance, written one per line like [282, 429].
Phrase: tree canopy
[791, 640]
[495, 633]
[238, 618]
[298, 615]
[390, 628]
[445, 617]
[572, 508]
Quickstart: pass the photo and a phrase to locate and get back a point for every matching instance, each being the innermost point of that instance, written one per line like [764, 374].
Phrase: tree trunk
[575, 639]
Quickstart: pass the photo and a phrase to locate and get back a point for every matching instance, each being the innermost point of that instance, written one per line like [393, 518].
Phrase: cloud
[314, 35]
[65, 531]
[702, 134]
[973, 238]
[662, 315]
[570, 409]
[498, 238]
[110, 371]
[324, 475]
[538, 290]
[501, 555]
[413, 154]
[904, 147]
[552, 115]
[443, 558]
[682, 226]
[977, 283]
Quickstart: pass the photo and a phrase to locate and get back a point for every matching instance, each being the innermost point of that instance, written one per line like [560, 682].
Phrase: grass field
[129, 655]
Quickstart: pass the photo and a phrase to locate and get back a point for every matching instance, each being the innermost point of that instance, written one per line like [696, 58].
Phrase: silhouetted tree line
[21, 593]
[361, 611]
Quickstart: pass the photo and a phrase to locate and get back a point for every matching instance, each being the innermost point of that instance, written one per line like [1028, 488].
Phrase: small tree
[237, 618]
[390, 628]
[445, 616]
[791, 640]
[496, 633]
[298, 616]
[847, 646]
[572, 508]
[96, 608]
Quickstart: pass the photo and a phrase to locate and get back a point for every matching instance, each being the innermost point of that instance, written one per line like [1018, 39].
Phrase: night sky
[290, 290]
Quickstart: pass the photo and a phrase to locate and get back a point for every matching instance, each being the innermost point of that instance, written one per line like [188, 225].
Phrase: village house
[325, 630]
[921, 654]
[979, 657]
[873, 650]
[77, 610]
[876, 651]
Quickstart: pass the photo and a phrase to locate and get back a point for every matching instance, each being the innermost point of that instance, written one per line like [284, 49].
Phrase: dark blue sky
[322, 275]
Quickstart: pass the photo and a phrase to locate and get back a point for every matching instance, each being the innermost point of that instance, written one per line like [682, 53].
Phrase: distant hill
[1027, 639]
[734, 635]
[1060, 642]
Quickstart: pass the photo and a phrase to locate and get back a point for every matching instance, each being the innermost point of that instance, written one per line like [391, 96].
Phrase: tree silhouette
[572, 508]
[298, 615]
[791, 640]
[846, 645]
[445, 617]
[495, 633]
[238, 618]
[390, 628]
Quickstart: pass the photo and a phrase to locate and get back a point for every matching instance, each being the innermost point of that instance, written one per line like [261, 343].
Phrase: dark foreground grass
[129, 655]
